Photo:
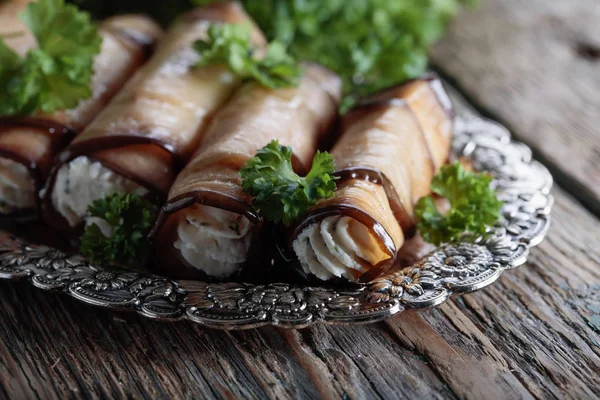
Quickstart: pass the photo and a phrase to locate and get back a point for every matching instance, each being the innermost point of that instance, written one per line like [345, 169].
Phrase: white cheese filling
[338, 247]
[82, 181]
[213, 240]
[16, 187]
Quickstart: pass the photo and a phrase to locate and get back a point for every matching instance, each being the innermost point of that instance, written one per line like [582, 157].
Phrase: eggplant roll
[29, 144]
[10, 24]
[391, 146]
[149, 130]
[208, 223]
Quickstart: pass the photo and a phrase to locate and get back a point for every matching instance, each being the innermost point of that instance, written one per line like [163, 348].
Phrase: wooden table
[534, 65]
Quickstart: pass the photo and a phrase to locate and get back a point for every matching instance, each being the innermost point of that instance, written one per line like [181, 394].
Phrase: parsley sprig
[130, 218]
[371, 44]
[58, 73]
[278, 192]
[474, 205]
[230, 44]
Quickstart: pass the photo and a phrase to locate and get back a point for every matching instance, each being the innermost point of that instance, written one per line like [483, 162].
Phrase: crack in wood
[588, 51]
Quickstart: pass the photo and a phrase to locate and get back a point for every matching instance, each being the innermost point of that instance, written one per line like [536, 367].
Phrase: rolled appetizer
[391, 146]
[139, 142]
[30, 136]
[208, 222]
[20, 38]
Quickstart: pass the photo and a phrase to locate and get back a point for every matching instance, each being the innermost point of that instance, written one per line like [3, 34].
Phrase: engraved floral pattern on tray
[474, 263]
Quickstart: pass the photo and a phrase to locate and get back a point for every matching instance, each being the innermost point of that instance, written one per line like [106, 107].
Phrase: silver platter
[476, 262]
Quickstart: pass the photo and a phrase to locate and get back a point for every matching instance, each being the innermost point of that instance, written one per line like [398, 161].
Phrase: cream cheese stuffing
[338, 247]
[213, 240]
[16, 187]
[82, 181]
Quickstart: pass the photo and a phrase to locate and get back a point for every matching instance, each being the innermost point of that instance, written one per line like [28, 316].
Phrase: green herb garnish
[231, 44]
[57, 74]
[474, 205]
[130, 217]
[371, 43]
[278, 192]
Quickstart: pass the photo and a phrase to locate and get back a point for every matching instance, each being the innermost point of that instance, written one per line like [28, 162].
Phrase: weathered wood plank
[535, 66]
[366, 362]
[535, 331]
[53, 347]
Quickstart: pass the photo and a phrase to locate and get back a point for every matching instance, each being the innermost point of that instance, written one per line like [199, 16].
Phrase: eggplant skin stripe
[474, 263]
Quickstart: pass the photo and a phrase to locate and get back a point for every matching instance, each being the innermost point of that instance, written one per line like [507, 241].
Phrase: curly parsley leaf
[58, 73]
[118, 228]
[278, 192]
[474, 205]
[10, 59]
[230, 44]
[371, 43]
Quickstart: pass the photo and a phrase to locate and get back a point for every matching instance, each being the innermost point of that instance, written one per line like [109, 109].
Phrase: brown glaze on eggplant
[43, 131]
[100, 148]
[300, 117]
[150, 129]
[35, 140]
[391, 145]
[430, 104]
[51, 137]
[386, 95]
[135, 31]
[404, 218]
[386, 242]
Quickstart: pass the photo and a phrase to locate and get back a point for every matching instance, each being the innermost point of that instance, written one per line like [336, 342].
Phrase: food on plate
[41, 111]
[278, 193]
[371, 44]
[117, 230]
[53, 65]
[391, 146]
[13, 30]
[232, 45]
[217, 139]
[208, 222]
[138, 143]
[473, 205]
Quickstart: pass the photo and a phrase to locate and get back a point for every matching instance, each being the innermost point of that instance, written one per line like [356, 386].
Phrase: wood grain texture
[533, 334]
[535, 66]
[61, 348]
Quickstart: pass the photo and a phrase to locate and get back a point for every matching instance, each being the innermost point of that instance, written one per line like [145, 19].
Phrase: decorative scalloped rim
[523, 183]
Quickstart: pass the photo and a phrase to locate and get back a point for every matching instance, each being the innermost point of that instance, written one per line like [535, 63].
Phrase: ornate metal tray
[522, 183]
